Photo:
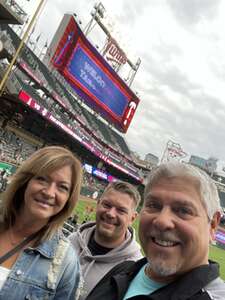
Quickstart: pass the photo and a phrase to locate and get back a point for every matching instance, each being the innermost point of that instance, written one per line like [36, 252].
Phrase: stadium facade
[41, 105]
[39, 102]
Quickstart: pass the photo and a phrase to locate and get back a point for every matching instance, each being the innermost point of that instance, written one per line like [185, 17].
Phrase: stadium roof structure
[11, 13]
[38, 87]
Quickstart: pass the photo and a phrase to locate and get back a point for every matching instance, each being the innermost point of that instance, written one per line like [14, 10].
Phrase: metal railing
[68, 228]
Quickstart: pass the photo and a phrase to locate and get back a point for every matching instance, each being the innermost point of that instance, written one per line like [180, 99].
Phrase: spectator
[110, 240]
[179, 218]
[37, 261]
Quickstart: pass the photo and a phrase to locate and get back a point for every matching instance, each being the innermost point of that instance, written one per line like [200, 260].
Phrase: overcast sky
[181, 80]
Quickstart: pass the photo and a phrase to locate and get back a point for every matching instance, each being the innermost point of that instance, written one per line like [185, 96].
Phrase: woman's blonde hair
[42, 162]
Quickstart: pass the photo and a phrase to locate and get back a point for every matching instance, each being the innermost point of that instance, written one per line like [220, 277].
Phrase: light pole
[9, 69]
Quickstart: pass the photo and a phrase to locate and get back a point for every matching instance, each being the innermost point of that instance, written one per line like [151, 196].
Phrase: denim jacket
[49, 271]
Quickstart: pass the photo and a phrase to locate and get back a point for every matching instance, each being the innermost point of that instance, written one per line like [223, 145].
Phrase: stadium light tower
[26, 33]
[113, 53]
[97, 14]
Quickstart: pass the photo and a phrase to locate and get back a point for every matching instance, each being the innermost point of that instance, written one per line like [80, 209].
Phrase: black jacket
[190, 286]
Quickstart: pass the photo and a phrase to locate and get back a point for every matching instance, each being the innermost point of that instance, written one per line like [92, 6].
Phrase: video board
[99, 173]
[93, 79]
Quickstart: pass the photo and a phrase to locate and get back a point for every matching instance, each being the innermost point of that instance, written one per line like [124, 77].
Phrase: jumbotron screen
[93, 79]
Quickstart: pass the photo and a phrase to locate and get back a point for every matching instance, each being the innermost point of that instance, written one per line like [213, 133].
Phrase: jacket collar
[48, 247]
[124, 278]
[183, 288]
[189, 284]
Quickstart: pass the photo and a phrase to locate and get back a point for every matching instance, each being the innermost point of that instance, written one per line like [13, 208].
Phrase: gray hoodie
[95, 267]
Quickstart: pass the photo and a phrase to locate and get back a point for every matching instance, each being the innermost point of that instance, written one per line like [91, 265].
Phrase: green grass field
[87, 209]
[83, 210]
[218, 254]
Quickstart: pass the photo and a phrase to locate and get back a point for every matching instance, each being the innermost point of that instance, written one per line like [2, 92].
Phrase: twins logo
[130, 112]
[114, 53]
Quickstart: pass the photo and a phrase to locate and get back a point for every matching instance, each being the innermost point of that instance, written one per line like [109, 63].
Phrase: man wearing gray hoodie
[110, 240]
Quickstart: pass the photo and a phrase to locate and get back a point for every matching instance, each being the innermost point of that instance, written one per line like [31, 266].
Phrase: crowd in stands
[14, 150]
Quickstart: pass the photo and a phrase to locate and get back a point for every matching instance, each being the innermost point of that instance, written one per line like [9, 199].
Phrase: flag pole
[9, 69]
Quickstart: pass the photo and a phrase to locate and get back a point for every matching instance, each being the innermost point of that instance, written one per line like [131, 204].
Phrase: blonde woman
[36, 260]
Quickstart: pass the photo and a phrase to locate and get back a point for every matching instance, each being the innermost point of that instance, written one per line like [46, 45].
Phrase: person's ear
[214, 224]
[134, 216]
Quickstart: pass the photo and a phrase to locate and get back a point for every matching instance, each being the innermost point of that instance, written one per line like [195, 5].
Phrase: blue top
[49, 271]
[142, 285]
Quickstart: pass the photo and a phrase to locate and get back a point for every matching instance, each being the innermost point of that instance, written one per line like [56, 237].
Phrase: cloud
[180, 81]
[191, 12]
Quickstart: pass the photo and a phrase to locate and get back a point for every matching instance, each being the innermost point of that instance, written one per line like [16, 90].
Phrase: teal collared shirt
[142, 285]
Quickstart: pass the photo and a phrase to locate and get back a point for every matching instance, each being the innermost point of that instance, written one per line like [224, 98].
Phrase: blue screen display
[96, 81]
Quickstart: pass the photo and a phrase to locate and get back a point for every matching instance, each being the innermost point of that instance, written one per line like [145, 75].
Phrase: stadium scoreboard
[92, 78]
